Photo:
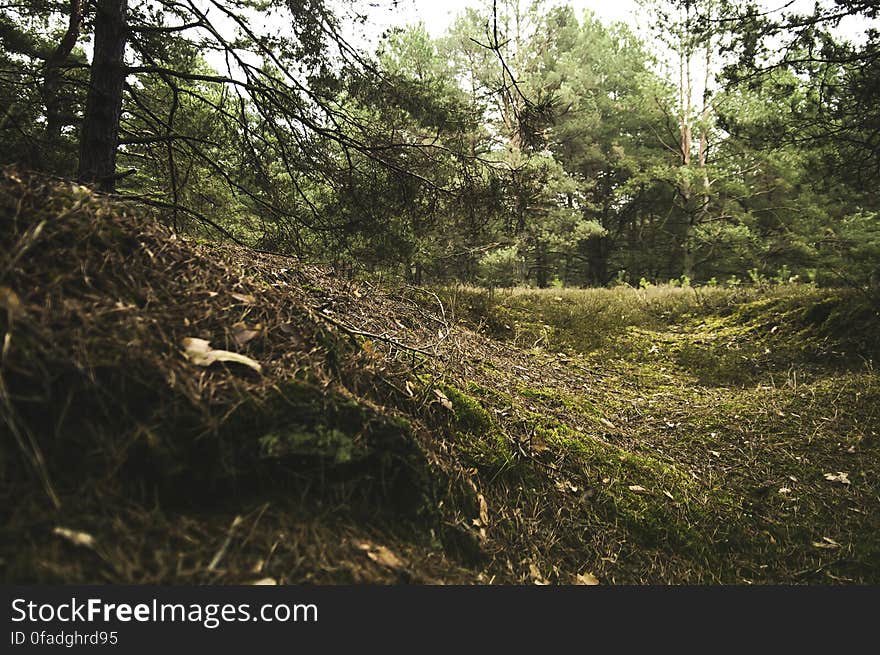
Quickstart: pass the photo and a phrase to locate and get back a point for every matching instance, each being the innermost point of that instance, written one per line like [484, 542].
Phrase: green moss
[470, 416]
[580, 405]
[611, 461]
[477, 433]
[301, 419]
[658, 503]
[318, 440]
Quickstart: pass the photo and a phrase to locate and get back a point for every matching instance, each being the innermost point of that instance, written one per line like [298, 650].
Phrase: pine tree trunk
[688, 260]
[685, 90]
[596, 251]
[100, 131]
[702, 161]
[542, 266]
[52, 72]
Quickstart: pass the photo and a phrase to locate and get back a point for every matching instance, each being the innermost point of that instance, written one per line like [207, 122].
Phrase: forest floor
[737, 441]
[376, 432]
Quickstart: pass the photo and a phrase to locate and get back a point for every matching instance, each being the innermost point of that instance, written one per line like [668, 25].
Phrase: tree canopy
[529, 144]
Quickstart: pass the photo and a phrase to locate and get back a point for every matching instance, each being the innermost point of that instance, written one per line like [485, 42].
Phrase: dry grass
[104, 415]
[396, 434]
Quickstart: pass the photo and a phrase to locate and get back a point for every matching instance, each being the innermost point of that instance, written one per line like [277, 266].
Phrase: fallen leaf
[10, 301]
[245, 298]
[484, 510]
[840, 476]
[242, 333]
[443, 399]
[608, 424]
[536, 576]
[827, 542]
[639, 489]
[75, 537]
[715, 453]
[586, 579]
[566, 486]
[199, 352]
[380, 555]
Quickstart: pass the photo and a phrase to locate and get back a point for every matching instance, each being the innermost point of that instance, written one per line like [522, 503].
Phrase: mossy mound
[808, 332]
[96, 383]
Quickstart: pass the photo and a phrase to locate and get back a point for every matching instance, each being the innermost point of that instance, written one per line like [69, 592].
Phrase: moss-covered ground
[386, 433]
[724, 435]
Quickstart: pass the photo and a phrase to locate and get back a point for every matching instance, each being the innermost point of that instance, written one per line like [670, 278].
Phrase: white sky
[438, 15]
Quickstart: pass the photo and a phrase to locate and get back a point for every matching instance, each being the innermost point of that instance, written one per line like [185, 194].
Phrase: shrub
[502, 267]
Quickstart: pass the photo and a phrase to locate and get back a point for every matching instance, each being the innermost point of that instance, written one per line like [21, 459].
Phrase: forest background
[730, 143]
